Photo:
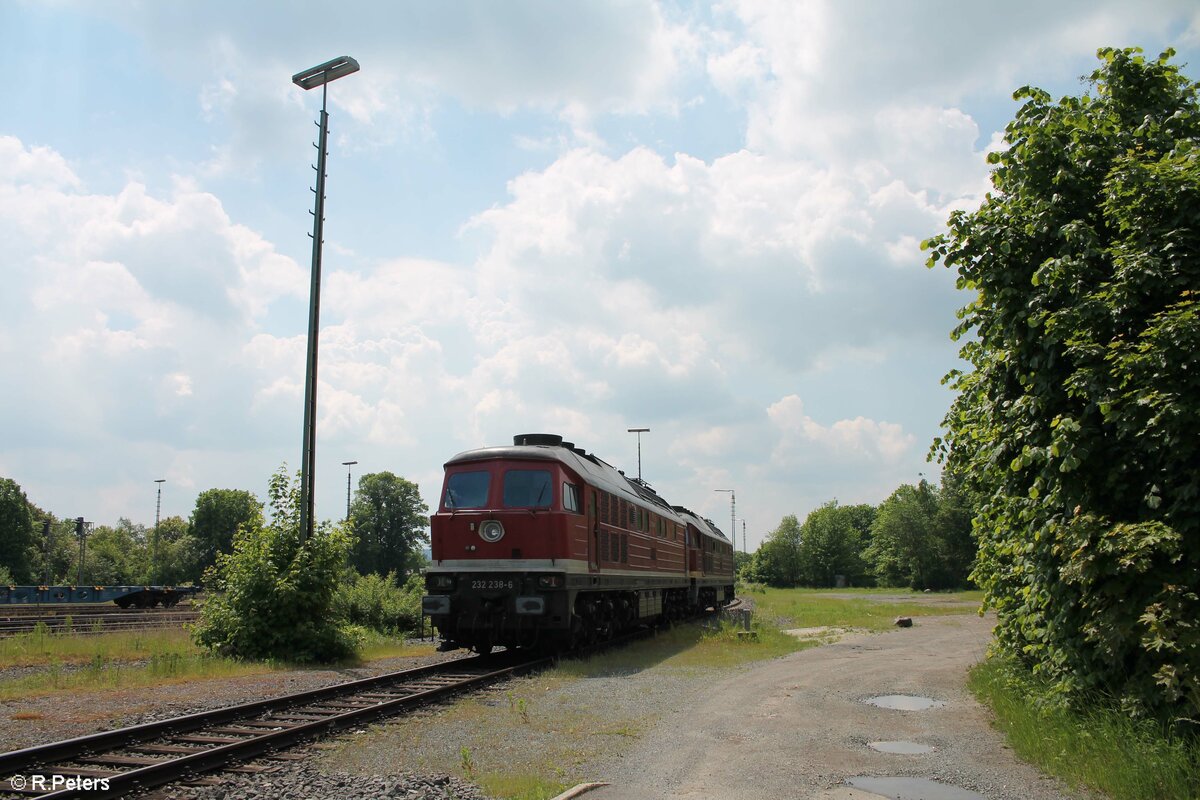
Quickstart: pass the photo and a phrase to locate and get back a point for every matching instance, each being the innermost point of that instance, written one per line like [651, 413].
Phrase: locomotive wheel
[483, 648]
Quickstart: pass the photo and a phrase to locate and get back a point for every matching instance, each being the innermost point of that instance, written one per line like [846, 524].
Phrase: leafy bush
[273, 596]
[376, 602]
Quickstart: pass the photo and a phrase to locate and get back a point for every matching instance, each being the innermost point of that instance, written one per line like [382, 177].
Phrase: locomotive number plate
[493, 584]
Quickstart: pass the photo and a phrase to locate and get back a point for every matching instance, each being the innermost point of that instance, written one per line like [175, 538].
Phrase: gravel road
[798, 727]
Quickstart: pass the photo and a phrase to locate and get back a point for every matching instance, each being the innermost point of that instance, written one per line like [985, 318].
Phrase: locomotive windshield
[467, 490]
[527, 488]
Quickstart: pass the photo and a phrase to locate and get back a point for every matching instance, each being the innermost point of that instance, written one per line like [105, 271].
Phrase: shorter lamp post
[154, 571]
[639, 432]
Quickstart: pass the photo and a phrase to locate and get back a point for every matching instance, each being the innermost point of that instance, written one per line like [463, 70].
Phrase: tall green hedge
[1079, 420]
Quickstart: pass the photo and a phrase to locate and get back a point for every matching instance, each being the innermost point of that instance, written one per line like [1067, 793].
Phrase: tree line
[919, 537]
[387, 534]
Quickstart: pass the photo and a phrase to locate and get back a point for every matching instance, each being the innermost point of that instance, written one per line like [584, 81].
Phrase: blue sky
[575, 218]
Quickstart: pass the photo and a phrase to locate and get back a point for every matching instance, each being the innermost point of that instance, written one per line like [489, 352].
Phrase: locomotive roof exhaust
[543, 439]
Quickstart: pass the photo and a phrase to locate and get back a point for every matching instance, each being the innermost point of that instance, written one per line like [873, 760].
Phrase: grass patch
[377, 646]
[1101, 749]
[520, 787]
[101, 673]
[119, 660]
[43, 646]
[855, 608]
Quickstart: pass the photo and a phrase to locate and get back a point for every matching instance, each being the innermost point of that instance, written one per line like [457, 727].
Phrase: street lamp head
[160, 480]
[349, 463]
[638, 430]
[325, 73]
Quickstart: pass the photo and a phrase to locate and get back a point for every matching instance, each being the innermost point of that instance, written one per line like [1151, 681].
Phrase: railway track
[121, 762]
[85, 621]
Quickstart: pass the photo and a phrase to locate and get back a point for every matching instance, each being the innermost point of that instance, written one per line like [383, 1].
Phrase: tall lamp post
[732, 515]
[639, 432]
[321, 75]
[348, 465]
[154, 550]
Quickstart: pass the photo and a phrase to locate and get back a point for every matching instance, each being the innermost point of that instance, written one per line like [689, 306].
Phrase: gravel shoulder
[798, 726]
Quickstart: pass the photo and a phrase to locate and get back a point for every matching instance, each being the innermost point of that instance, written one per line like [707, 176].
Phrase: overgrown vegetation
[1100, 747]
[273, 596]
[1078, 424]
[378, 603]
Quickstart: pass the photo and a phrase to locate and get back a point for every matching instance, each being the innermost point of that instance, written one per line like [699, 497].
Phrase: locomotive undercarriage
[481, 613]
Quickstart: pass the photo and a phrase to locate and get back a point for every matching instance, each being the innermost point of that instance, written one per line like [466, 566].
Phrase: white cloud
[129, 310]
[861, 439]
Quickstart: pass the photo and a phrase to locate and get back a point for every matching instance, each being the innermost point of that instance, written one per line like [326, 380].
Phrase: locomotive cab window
[466, 490]
[528, 488]
[571, 497]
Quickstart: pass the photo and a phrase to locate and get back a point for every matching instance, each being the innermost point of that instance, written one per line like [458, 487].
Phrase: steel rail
[471, 672]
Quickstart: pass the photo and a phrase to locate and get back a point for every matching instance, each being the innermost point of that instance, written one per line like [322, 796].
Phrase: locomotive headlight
[491, 531]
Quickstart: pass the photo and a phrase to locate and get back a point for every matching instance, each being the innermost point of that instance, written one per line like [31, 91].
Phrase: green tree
[180, 554]
[776, 561]
[830, 545]
[216, 518]
[388, 520]
[118, 555]
[1078, 423]
[273, 595]
[921, 539]
[742, 565]
[17, 549]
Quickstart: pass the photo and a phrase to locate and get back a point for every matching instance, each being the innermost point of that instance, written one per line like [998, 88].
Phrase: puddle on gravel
[901, 748]
[913, 789]
[904, 702]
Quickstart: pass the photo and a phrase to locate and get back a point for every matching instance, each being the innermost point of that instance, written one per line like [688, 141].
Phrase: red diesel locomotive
[543, 544]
